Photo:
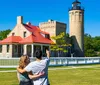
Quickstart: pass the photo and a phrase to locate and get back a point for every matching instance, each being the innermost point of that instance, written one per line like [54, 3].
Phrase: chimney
[20, 20]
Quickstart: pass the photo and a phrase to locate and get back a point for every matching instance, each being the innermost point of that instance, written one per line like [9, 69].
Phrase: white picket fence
[54, 61]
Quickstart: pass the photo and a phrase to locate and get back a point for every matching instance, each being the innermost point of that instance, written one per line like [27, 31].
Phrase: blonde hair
[24, 61]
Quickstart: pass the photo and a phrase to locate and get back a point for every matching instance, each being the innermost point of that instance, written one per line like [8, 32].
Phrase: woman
[23, 78]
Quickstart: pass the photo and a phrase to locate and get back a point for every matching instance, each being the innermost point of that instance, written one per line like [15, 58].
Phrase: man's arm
[34, 76]
[21, 70]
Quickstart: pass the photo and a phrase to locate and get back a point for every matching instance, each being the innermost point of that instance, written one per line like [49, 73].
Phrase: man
[37, 67]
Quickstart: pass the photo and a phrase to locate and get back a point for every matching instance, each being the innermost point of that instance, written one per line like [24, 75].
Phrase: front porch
[29, 49]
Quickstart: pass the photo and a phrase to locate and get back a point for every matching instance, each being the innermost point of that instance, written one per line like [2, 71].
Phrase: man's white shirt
[37, 67]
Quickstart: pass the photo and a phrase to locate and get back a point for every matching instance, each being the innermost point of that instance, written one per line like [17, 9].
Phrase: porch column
[10, 51]
[4, 50]
[32, 52]
[25, 49]
[41, 47]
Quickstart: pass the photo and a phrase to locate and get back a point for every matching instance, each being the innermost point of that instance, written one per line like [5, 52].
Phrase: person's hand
[31, 76]
[48, 53]
[41, 73]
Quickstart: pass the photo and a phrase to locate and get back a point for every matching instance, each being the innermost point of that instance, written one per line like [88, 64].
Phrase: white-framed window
[24, 35]
[13, 34]
[47, 36]
[0, 48]
[8, 48]
[29, 50]
[15, 48]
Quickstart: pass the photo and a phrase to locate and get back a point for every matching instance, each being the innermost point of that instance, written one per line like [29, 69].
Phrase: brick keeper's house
[24, 39]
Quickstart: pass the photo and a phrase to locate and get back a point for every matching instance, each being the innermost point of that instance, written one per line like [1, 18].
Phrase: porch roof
[11, 39]
[36, 36]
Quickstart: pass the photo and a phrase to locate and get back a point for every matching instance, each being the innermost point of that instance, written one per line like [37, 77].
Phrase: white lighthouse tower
[76, 25]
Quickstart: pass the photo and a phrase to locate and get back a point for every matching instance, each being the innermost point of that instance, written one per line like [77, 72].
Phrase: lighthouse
[76, 28]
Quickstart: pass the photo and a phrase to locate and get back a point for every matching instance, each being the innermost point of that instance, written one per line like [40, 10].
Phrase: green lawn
[70, 76]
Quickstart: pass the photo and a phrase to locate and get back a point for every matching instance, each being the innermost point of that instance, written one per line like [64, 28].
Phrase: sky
[37, 11]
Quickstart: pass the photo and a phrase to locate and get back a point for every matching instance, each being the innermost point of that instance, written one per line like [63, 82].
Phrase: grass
[72, 76]
[75, 77]
[8, 79]
[7, 69]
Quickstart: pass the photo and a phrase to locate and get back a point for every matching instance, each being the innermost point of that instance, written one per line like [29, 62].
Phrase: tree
[61, 44]
[4, 33]
[89, 46]
[96, 43]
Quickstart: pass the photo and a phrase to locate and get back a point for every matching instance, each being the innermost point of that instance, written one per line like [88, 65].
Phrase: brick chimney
[19, 19]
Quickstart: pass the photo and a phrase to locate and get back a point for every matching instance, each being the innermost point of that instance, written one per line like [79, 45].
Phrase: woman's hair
[24, 61]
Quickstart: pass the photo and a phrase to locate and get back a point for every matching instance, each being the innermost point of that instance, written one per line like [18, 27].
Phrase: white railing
[74, 60]
[54, 61]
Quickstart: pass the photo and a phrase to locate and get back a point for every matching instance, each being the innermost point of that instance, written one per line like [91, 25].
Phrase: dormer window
[47, 36]
[24, 35]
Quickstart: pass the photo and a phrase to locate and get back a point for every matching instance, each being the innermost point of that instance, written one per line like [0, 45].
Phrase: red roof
[11, 39]
[34, 29]
[37, 36]
[35, 39]
[28, 39]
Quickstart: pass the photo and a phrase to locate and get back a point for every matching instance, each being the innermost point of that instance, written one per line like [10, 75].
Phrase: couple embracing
[36, 72]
